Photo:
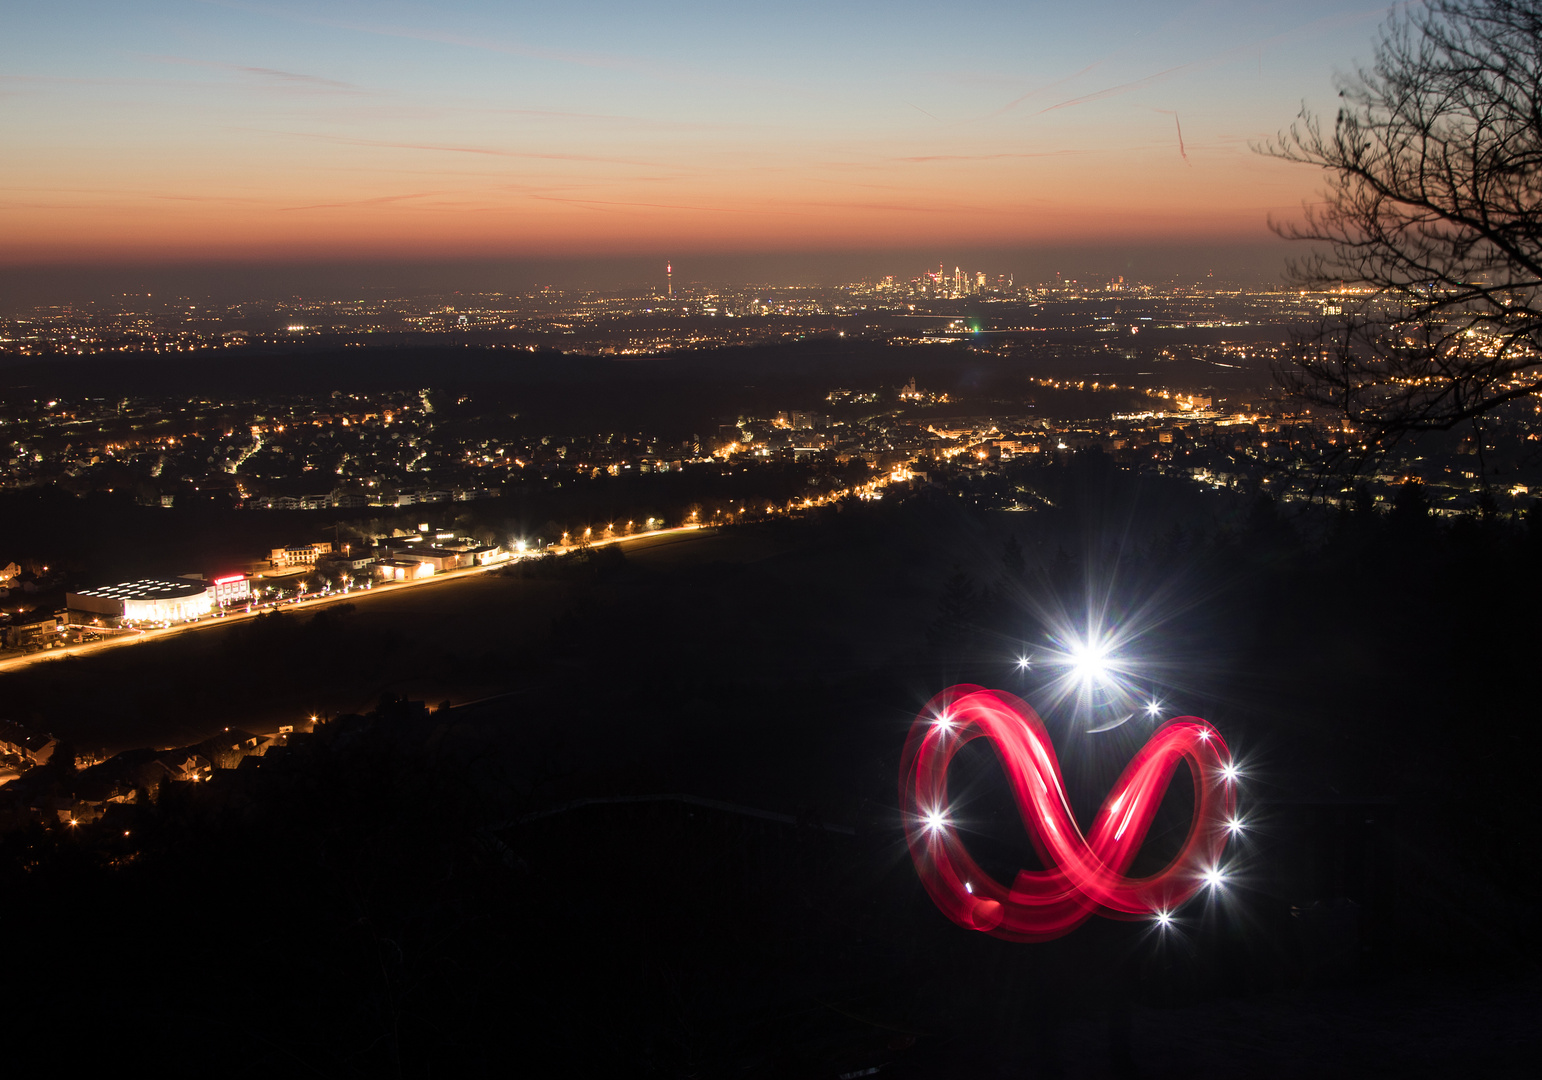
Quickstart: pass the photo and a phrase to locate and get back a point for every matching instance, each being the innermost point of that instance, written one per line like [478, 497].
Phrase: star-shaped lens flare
[1104, 656]
[1096, 668]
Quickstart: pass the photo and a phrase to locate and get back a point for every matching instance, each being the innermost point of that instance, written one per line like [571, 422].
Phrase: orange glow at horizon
[1089, 201]
[280, 131]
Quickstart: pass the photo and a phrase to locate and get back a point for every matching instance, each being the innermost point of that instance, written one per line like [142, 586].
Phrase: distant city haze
[442, 145]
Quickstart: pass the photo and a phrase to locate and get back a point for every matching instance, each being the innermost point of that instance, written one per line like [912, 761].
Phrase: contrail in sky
[1181, 149]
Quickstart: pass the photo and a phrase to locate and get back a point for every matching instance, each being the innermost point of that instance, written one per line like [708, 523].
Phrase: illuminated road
[870, 490]
[352, 596]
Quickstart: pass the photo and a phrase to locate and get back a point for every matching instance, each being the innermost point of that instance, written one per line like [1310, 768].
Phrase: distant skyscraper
[669, 279]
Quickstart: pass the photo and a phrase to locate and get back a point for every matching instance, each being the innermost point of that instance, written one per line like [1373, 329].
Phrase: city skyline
[260, 134]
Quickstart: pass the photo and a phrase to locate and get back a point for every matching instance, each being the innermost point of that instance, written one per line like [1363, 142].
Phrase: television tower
[669, 279]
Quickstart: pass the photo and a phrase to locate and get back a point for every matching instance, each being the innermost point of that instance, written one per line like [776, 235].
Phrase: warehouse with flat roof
[151, 600]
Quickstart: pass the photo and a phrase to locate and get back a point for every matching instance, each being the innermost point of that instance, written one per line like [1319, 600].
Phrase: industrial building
[441, 559]
[148, 601]
[453, 555]
[403, 569]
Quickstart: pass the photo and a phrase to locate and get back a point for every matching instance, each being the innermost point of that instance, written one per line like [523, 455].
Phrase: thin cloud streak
[292, 77]
[1125, 88]
[487, 151]
[920, 110]
[994, 157]
[1015, 102]
[1327, 22]
[907, 208]
[98, 80]
[221, 199]
[613, 118]
[673, 73]
[609, 63]
[664, 206]
[382, 200]
[1181, 150]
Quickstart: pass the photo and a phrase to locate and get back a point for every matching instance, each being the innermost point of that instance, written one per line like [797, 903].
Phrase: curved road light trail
[1087, 873]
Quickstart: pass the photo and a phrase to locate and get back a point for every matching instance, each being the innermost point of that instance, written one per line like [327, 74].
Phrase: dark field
[670, 845]
[469, 638]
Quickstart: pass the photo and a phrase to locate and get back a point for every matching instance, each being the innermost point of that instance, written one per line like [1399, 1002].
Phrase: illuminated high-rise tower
[669, 279]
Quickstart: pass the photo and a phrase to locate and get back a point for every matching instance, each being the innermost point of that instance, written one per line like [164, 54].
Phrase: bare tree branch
[1431, 225]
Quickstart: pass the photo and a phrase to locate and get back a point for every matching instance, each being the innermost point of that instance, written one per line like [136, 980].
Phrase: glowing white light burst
[1164, 919]
[1229, 772]
[1102, 656]
[1095, 671]
[1214, 877]
[1024, 662]
[1089, 660]
[935, 822]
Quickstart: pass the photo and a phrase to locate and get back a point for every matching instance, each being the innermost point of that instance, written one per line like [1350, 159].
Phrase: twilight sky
[211, 131]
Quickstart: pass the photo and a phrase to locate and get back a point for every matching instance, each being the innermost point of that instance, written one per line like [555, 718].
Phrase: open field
[764, 606]
[670, 775]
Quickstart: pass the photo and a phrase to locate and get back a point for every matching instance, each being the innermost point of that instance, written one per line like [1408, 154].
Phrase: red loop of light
[1086, 872]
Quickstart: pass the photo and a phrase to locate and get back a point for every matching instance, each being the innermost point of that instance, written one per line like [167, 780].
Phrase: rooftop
[148, 589]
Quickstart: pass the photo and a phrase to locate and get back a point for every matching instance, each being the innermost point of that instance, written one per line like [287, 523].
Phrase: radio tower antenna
[669, 279]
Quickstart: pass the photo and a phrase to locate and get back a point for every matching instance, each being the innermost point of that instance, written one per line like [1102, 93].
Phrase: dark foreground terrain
[670, 845]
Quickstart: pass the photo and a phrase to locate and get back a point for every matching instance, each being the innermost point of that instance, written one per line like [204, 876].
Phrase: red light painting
[1086, 872]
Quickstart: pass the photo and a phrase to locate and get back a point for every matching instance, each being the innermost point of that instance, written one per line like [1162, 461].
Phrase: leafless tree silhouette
[1431, 223]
